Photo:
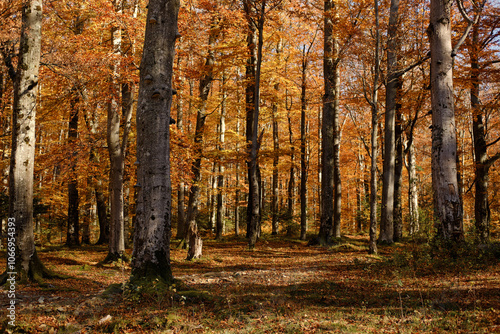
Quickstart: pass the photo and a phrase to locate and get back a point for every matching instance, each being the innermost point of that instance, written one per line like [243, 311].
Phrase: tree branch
[492, 160]
[470, 23]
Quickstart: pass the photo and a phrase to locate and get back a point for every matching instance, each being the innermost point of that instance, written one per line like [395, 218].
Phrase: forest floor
[280, 287]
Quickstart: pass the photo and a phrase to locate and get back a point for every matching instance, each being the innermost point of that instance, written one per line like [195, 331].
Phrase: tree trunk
[117, 147]
[327, 128]
[291, 182]
[303, 162]
[482, 163]
[151, 255]
[372, 247]
[387, 215]
[27, 264]
[398, 176]
[412, 190]
[102, 214]
[220, 177]
[253, 103]
[274, 191]
[195, 242]
[447, 201]
[276, 147]
[337, 180]
[181, 218]
[73, 232]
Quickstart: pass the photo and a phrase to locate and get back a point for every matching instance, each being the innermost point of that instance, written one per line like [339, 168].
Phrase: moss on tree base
[35, 273]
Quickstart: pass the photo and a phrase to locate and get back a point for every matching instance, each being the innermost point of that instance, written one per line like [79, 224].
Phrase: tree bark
[291, 182]
[303, 162]
[412, 190]
[327, 129]
[256, 30]
[387, 215]
[398, 175]
[117, 147]
[195, 242]
[220, 176]
[372, 247]
[447, 201]
[27, 264]
[73, 232]
[151, 254]
[482, 162]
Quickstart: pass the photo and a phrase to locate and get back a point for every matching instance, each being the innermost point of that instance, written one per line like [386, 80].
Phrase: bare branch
[470, 23]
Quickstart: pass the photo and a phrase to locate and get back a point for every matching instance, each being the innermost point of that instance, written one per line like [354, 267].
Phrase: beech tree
[26, 82]
[448, 204]
[151, 254]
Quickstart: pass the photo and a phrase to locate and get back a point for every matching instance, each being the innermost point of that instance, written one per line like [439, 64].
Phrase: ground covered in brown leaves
[281, 287]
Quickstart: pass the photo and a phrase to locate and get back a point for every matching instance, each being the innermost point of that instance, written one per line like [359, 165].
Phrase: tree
[448, 205]
[193, 237]
[387, 217]
[372, 247]
[25, 78]
[116, 147]
[477, 44]
[255, 17]
[330, 62]
[151, 254]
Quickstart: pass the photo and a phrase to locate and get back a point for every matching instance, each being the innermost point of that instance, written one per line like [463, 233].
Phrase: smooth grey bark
[447, 201]
[387, 212]
[25, 80]
[117, 146]
[151, 254]
[220, 177]
[290, 212]
[193, 237]
[372, 247]
[414, 225]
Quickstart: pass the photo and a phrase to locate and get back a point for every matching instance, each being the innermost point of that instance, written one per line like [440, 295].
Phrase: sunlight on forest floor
[281, 287]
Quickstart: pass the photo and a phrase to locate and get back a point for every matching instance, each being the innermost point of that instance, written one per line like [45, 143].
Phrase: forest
[281, 166]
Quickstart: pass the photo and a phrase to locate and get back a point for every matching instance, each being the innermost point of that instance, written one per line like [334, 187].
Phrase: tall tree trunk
[372, 247]
[398, 177]
[151, 255]
[337, 180]
[291, 182]
[303, 162]
[276, 147]
[256, 26]
[195, 242]
[447, 201]
[387, 215]
[412, 190]
[220, 177]
[181, 218]
[117, 147]
[27, 264]
[237, 172]
[73, 232]
[482, 162]
[328, 128]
